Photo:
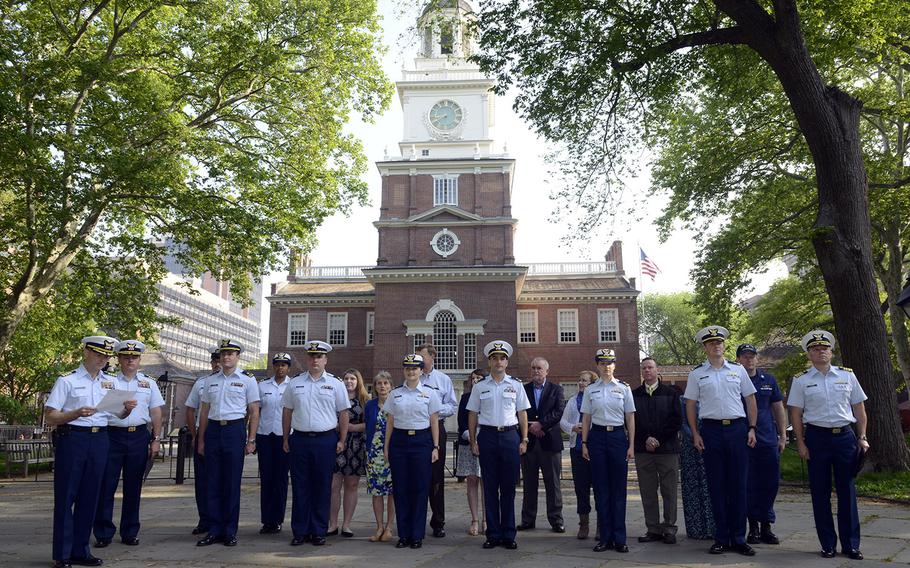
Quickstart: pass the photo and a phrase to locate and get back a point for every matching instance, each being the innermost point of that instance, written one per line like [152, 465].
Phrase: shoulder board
[803, 373]
[700, 365]
[249, 374]
[73, 372]
[146, 377]
[733, 363]
[399, 386]
[848, 369]
[625, 383]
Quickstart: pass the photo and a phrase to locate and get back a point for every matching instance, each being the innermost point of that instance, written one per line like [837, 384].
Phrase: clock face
[446, 115]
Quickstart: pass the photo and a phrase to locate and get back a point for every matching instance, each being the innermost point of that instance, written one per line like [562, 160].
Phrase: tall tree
[215, 127]
[599, 75]
[669, 323]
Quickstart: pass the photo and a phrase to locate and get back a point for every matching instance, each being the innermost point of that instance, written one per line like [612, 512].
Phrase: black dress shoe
[855, 554]
[230, 541]
[650, 537]
[525, 526]
[601, 546]
[827, 553]
[102, 542]
[332, 533]
[510, 544]
[62, 564]
[318, 540]
[754, 537]
[439, 533]
[416, 543]
[346, 533]
[558, 529]
[130, 540]
[270, 528]
[621, 548]
[199, 530]
[402, 543]
[669, 538]
[87, 561]
[298, 540]
[209, 540]
[490, 543]
[717, 548]
[743, 549]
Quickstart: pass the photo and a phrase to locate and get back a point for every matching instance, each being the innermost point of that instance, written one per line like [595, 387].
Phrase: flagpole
[641, 281]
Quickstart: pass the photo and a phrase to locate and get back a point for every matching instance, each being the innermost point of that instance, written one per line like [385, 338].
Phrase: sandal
[475, 528]
[378, 536]
[386, 534]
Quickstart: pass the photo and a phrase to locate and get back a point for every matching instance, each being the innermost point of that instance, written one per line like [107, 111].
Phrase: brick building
[445, 271]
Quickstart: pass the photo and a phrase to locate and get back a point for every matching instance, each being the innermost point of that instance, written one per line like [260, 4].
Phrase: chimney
[615, 254]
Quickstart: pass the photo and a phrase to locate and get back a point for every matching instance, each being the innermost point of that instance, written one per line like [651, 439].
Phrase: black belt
[411, 432]
[70, 428]
[722, 422]
[226, 422]
[836, 431]
[499, 428]
[142, 428]
[315, 434]
[607, 428]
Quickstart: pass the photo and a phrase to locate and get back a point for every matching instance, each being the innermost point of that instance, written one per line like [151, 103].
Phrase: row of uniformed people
[93, 448]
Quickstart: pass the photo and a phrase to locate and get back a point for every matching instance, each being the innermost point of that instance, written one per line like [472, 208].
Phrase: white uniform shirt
[315, 403]
[827, 400]
[719, 392]
[607, 403]
[411, 408]
[229, 396]
[497, 403]
[194, 399]
[442, 384]
[147, 396]
[270, 395]
[79, 389]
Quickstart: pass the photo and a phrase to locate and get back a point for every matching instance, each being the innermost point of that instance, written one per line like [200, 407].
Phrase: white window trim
[599, 329]
[306, 328]
[559, 331]
[536, 327]
[328, 328]
[451, 186]
[371, 318]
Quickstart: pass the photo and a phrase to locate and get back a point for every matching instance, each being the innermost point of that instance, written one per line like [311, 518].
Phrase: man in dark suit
[545, 447]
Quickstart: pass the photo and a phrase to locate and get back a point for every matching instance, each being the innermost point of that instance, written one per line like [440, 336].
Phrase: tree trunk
[829, 120]
[892, 277]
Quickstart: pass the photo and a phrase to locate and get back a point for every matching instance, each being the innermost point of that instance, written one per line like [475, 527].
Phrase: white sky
[353, 240]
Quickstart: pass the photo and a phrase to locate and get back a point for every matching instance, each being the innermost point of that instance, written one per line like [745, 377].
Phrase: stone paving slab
[168, 515]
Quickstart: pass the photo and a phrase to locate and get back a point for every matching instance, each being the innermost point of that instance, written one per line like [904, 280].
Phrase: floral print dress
[379, 476]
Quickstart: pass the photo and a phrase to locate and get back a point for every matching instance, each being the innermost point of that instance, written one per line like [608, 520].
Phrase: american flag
[647, 265]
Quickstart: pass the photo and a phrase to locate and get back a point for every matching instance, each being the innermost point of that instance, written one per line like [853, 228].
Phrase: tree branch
[84, 27]
[723, 36]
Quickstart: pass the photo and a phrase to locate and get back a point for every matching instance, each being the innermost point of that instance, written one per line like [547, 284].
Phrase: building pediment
[444, 213]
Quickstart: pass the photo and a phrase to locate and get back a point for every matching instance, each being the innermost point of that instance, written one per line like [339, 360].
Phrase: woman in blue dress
[379, 476]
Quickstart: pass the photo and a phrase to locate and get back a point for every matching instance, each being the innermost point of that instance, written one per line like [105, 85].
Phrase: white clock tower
[447, 102]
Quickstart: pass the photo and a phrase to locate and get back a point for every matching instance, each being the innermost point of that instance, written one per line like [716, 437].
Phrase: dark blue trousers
[202, 497]
[312, 461]
[274, 466]
[835, 452]
[581, 478]
[609, 472]
[726, 468]
[764, 480]
[412, 471]
[128, 453]
[500, 464]
[224, 453]
[79, 461]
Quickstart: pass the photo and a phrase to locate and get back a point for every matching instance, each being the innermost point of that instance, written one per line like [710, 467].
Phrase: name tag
[618, 395]
[597, 395]
[510, 394]
[842, 386]
[485, 395]
[266, 394]
[327, 391]
[733, 378]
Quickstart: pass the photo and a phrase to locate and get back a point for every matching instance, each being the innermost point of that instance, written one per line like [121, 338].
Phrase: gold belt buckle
[836, 430]
[726, 422]
[500, 428]
[411, 432]
[131, 429]
[96, 429]
[609, 428]
[223, 422]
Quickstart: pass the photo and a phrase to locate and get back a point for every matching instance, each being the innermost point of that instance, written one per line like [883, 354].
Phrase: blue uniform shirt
[720, 391]
[270, 395]
[229, 396]
[766, 393]
[147, 396]
[315, 403]
[411, 408]
[79, 389]
[442, 384]
[607, 403]
[497, 403]
[827, 400]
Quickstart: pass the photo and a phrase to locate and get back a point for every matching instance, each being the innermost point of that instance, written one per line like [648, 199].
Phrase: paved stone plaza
[168, 515]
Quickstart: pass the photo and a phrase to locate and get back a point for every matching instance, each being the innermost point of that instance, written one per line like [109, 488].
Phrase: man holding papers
[80, 451]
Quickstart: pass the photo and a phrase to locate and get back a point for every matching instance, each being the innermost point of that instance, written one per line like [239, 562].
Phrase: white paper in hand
[113, 401]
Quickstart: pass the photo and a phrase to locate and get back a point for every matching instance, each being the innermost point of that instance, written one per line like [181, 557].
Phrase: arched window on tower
[445, 339]
[428, 42]
[446, 40]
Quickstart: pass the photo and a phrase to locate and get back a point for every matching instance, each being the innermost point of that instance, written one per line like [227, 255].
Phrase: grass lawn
[894, 486]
